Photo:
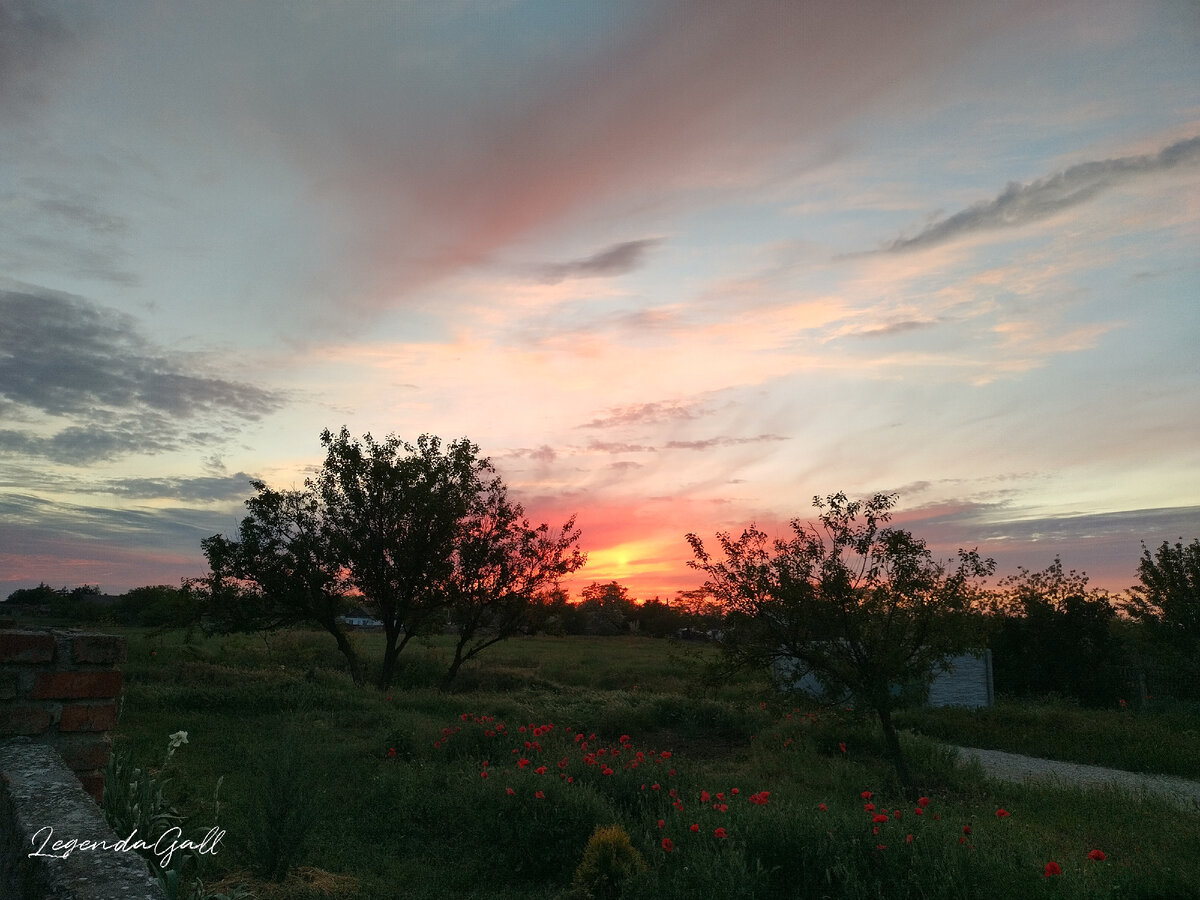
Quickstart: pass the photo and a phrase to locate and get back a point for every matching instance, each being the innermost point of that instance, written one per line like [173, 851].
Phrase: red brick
[24, 720]
[76, 685]
[98, 648]
[88, 718]
[26, 646]
[85, 755]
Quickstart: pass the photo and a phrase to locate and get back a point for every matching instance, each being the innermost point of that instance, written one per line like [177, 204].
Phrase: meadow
[723, 787]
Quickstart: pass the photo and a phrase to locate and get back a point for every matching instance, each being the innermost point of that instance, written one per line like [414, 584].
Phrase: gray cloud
[67, 358]
[1021, 204]
[617, 447]
[618, 259]
[33, 34]
[709, 443]
[894, 328]
[198, 489]
[645, 414]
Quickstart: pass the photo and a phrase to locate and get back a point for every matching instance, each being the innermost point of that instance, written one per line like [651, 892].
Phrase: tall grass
[404, 806]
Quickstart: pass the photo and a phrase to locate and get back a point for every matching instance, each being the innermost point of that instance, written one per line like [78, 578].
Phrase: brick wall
[60, 687]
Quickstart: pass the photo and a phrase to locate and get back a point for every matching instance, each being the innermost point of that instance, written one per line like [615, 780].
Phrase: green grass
[421, 822]
[1162, 742]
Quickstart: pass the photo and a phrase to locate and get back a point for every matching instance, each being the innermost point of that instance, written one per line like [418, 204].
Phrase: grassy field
[418, 793]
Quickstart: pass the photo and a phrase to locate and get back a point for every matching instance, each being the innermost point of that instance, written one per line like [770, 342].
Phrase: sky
[674, 266]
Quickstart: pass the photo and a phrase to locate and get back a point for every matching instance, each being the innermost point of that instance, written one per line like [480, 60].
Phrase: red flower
[1002, 814]
[733, 791]
[678, 804]
[881, 846]
[866, 795]
[1096, 855]
[522, 763]
[760, 798]
[539, 795]
[1051, 868]
[666, 754]
[509, 791]
[693, 828]
[908, 839]
[918, 811]
[842, 747]
[966, 829]
[922, 802]
[822, 807]
[704, 797]
[879, 819]
[623, 739]
[391, 751]
[483, 774]
[667, 845]
[869, 807]
[606, 771]
[719, 832]
[540, 770]
[661, 823]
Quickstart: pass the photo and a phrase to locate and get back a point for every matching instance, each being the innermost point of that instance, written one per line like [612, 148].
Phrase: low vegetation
[497, 788]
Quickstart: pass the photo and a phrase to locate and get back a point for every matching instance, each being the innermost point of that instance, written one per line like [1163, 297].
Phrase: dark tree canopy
[863, 606]
[1167, 601]
[281, 569]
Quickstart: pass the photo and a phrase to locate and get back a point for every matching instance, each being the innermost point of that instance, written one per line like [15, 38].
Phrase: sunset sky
[674, 266]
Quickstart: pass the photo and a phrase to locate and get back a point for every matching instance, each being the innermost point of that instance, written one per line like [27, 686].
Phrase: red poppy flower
[667, 845]
[693, 828]
[606, 771]
[539, 795]
[1051, 868]
[678, 804]
[391, 751]
[922, 802]
[733, 791]
[704, 796]
[666, 754]
[661, 823]
[842, 747]
[869, 807]
[509, 791]
[483, 774]
[1002, 814]
[760, 798]
[881, 846]
[908, 839]
[866, 795]
[541, 770]
[1097, 855]
[522, 763]
[623, 739]
[721, 807]
[822, 807]
[719, 832]
[878, 819]
[918, 811]
[966, 829]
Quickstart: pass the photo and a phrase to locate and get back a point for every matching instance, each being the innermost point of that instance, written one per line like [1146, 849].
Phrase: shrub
[609, 860]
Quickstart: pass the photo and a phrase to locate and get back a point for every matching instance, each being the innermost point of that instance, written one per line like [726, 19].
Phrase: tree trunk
[346, 648]
[455, 665]
[892, 740]
[390, 652]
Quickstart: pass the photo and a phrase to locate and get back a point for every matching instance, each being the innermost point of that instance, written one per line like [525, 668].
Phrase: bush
[609, 860]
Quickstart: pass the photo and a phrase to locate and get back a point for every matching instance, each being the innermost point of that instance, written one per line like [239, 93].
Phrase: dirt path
[1014, 767]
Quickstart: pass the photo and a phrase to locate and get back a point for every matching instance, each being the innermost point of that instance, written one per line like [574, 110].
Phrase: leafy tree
[42, 594]
[426, 535]
[503, 572]
[1167, 603]
[607, 608]
[394, 511]
[1056, 635]
[863, 606]
[283, 550]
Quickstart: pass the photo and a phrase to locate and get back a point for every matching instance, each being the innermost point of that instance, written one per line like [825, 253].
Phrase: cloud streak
[1023, 204]
[618, 259]
[62, 357]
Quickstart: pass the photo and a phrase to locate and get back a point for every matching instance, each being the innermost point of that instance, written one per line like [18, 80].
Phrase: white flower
[179, 737]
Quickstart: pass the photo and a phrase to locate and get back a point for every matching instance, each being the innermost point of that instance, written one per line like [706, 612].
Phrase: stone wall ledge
[38, 790]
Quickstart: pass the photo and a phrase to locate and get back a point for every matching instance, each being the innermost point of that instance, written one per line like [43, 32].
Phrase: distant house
[359, 618]
[967, 683]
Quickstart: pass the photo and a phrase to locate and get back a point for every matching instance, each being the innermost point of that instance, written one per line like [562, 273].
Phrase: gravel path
[1014, 767]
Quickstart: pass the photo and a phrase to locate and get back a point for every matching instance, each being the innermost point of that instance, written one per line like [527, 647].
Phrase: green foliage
[1167, 602]
[859, 605]
[285, 803]
[42, 594]
[609, 861]
[1058, 636]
